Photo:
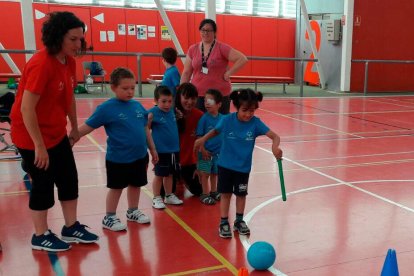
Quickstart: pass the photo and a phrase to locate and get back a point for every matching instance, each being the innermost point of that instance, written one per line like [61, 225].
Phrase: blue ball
[261, 255]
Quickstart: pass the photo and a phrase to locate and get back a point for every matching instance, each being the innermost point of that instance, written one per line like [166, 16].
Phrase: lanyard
[204, 60]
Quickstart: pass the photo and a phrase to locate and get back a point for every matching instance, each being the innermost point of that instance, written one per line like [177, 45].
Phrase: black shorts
[190, 179]
[120, 175]
[230, 181]
[168, 163]
[61, 171]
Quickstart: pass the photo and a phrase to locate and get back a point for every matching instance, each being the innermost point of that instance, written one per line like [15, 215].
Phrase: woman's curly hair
[55, 28]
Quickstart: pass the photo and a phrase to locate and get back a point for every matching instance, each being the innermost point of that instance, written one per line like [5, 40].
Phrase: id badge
[204, 70]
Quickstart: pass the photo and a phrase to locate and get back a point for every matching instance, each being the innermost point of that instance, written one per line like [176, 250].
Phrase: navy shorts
[120, 175]
[230, 181]
[61, 172]
[168, 164]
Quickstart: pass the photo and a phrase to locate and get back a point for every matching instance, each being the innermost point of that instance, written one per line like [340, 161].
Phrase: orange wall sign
[311, 76]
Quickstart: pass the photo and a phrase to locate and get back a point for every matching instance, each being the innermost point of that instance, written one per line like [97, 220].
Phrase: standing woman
[44, 101]
[207, 65]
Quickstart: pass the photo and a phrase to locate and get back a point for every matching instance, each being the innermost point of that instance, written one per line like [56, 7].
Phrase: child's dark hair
[246, 97]
[55, 28]
[120, 73]
[170, 55]
[161, 90]
[218, 97]
[187, 90]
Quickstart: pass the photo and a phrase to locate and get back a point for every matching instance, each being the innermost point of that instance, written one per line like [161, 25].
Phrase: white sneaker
[113, 223]
[172, 199]
[137, 216]
[157, 203]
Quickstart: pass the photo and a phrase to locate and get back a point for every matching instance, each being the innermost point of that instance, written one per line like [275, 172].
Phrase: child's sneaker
[241, 227]
[113, 223]
[137, 216]
[215, 195]
[172, 199]
[225, 231]
[157, 203]
[78, 233]
[49, 242]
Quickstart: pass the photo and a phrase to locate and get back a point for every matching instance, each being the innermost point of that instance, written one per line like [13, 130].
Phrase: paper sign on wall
[142, 32]
[111, 36]
[102, 36]
[131, 29]
[165, 34]
[121, 29]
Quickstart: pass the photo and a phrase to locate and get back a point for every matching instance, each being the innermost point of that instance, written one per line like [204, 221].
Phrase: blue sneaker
[78, 233]
[49, 242]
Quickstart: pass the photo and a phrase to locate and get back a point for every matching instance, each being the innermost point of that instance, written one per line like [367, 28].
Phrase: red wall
[11, 29]
[244, 33]
[385, 31]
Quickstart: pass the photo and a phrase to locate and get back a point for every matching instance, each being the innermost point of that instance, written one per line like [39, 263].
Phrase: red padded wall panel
[383, 35]
[237, 33]
[179, 21]
[264, 43]
[104, 20]
[11, 34]
[244, 33]
[150, 45]
[41, 9]
[285, 44]
[83, 14]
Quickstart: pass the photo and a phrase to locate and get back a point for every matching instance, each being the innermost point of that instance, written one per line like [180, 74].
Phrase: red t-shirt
[188, 137]
[54, 82]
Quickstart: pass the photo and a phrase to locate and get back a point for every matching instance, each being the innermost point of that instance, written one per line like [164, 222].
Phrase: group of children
[224, 147]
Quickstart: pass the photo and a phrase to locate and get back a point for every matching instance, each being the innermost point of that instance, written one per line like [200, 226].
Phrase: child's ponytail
[246, 97]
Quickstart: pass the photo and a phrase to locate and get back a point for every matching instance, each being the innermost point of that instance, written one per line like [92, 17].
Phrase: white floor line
[342, 182]
[389, 103]
[305, 122]
[245, 241]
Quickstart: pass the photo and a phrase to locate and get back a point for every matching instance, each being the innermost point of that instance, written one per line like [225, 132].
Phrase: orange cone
[243, 272]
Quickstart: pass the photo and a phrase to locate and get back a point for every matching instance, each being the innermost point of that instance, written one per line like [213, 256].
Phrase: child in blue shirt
[125, 122]
[171, 77]
[207, 159]
[238, 131]
[161, 121]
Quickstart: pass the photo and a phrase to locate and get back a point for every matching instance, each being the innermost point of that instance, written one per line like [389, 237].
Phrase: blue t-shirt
[238, 139]
[171, 79]
[124, 124]
[164, 130]
[208, 122]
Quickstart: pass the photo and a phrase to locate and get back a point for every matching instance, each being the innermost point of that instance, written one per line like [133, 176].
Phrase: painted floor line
[343, 182]
[197, 237]
[309, 123]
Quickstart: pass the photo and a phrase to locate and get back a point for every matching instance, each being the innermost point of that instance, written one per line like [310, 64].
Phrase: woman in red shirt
[187, 123]
[44, 101]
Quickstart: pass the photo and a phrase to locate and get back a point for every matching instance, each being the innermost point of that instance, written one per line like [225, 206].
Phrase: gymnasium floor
[348, 167]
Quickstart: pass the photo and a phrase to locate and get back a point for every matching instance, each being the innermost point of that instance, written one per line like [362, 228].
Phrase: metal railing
[368, 61]
[139, 57]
